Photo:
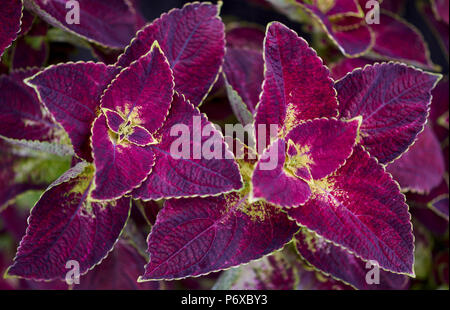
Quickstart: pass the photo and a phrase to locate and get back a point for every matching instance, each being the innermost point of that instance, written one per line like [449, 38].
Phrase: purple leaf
[360, 208]
[196, 236]
[27, 22]
[71, 92]
[28, 56]
[142, 92]
[321, 146]
[120, 166]
[141, 137]
[244, 72]
[276, 185]
[112, 24]
[393, 100]
[297, 85]
[21, 114]
[343, 8]
[422, 167]
[118, 271]
[344, 266]
[394, 6]
[441, 8]
[106, 55]
[352, 42]
[10, 17]
[391, 30]
[433, 221]
[313, 150]
[440, 206]
[192, 39]
[438, 119]
[113, 119]
[347, 65]
[31, 50]
[67, 225]
[439, 28]
[245, 36]
[190, 174]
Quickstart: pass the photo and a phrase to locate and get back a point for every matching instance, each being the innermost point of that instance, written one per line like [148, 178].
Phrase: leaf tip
[358, 119]
[219, 7]
[156, 45]
[7, 275]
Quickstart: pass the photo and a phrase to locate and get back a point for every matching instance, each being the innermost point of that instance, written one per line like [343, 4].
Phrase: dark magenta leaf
[421, 199]
[297, 85]
[276, 185]
[192, 39]
[353, 42]
[341, 8]
[439, 28]
[27, 22]
[245, 36]
[113, 119]
[393, 100]
[321, 146]
[440, 9]
[71, 92]
[438, 119]
[393, 29]
[119, 271]
[111, 24]
[106, 55]
[31, 50]
[433, 221]
[120, 166]
[395, 6]
[244, 73]
[360, 208]
[10, 17]
[344, 266]
[440, 206]
[347, 65]
[194, 174]
[21, 114]
[244, 69]
[142, 92]
[196, 236]
[141, 136]
[67, 225]
[422, 167]
[313, 150]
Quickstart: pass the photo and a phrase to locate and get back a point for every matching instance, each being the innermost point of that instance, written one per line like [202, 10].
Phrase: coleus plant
[349, 187]
[357, 29]
[328, 191]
